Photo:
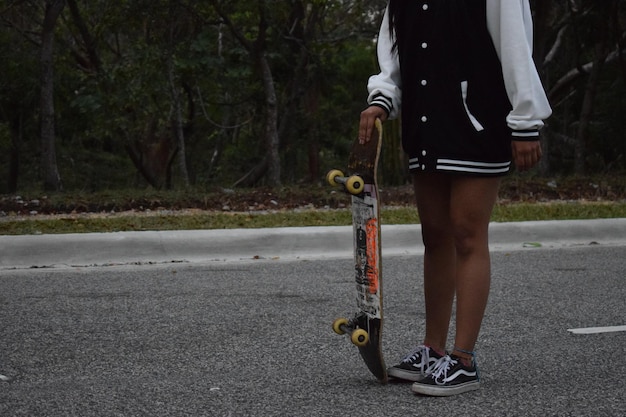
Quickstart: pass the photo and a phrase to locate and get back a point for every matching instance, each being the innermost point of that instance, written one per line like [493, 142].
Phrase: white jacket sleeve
[510, 25]
[384, 88]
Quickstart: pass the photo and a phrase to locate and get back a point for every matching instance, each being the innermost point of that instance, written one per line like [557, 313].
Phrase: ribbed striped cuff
[383, 102]
[525, 135]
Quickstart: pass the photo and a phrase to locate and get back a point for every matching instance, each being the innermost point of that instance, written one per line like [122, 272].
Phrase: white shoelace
[423, 351]
[441, 367]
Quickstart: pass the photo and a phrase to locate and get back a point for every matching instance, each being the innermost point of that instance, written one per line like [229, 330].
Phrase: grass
[522, 198]
[168, 220]
[559, 211]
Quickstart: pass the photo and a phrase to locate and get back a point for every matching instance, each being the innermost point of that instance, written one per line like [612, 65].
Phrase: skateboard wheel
[355, 184]
[360, 337]
[332, 174]
[337, 324]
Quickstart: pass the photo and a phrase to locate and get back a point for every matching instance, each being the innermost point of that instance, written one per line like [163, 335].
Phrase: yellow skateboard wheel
[360, 337]
[355, 184]
[337, 325]
[332, 174]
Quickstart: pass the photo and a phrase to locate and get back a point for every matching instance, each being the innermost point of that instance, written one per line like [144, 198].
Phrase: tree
[175, 16]
[575, 42]
[167, 93]
[19, 98]
[131, 71]
[50, 171]
[287, 44]
[257, 49]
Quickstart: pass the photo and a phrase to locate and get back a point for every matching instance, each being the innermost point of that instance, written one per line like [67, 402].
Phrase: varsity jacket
[465, 86]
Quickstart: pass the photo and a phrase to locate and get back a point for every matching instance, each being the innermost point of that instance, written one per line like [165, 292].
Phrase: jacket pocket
[479, 127]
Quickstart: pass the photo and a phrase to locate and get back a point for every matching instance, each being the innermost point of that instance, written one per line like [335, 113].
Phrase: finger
[514, 155]
[366, 126]
[526, 154]
[517, 158]
[362, 129]
[365, 130]
[534, 156]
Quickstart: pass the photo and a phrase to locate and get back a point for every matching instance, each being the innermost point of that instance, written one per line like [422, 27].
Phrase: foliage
[174, 93]
[579, 48]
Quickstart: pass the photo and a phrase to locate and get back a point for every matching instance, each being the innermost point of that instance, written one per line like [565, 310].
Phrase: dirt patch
[513, 190]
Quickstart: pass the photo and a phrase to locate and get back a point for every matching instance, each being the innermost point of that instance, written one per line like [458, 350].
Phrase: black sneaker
[416, 365]
[448, 377]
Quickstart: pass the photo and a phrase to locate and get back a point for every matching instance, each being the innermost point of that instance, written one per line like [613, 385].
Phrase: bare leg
[454, 213]
[472, 201]
[433, 203]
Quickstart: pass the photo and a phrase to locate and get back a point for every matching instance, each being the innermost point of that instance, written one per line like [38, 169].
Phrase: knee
[469, 238]
[437, 235]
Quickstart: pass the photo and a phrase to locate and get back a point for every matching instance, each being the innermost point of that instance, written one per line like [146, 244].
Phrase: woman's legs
[455, 212]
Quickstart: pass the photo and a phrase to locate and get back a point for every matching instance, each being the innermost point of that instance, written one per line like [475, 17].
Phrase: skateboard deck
[365, 328]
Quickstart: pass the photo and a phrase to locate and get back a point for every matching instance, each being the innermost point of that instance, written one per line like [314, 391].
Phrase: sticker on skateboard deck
[365, 223]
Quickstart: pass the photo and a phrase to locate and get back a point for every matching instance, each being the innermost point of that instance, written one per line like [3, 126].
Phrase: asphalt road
[254, 338]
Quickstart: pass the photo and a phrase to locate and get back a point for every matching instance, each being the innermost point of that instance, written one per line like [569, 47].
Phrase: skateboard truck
[354, 184]
[358, 336]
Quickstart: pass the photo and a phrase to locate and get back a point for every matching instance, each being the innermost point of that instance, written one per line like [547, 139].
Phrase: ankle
[468, 358]
[439, 351]
[467, 362]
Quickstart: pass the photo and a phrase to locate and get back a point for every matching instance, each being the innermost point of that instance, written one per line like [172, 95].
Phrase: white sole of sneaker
[405, 375]
[444, 391]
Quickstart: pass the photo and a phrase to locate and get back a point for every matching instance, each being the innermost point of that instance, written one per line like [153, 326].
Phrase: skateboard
[365, 328]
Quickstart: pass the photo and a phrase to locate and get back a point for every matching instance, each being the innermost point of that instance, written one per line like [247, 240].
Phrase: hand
[368, 118]
[526, 154]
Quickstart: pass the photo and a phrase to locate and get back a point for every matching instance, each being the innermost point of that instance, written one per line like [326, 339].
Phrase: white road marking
[594, 330]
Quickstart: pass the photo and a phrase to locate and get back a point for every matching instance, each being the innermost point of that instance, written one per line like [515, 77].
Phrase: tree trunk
[50, 171]
[175, 93]
[271, 123]
[93, 62]
[14, 153]
[178, 123]
[586, 112]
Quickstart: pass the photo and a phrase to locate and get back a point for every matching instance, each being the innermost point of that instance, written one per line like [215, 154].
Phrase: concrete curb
[99, 249]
